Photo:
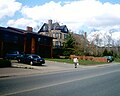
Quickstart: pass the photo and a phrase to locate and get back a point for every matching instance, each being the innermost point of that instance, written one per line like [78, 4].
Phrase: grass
[81, 62]
[117, 59]
[88, 62]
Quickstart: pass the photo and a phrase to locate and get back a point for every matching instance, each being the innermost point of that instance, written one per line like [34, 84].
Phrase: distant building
[58, 32]
[81, 42]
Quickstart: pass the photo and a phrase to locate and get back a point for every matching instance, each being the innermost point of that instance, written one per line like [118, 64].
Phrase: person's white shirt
[75, 60]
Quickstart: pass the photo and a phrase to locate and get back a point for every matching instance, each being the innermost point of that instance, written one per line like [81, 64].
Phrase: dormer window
[65, 29]
[44, 28]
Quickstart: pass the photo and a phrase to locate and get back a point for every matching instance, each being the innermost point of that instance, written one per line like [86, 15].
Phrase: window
[58, 43]
[15, 39]
[44, 28]
[60, 35]
[39, 39]
[53, 43]
[65, 29]
[57, 35]
[7, 38]
[54, 35]
[65, 36]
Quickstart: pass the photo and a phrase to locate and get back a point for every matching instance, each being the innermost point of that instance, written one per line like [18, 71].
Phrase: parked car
[12, 55]
[109, 58]
[31, 59]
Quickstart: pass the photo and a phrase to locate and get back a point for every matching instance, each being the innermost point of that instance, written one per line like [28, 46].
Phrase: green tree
[69, 41]
[106, 52]
[69, 45]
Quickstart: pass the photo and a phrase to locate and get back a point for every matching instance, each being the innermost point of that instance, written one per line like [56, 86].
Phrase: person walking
[75, 60]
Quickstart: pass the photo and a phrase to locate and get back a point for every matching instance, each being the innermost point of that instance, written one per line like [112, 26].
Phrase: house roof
[79, 38]
[18, 30]
[54, 26]
[7, 29]
[24, 31]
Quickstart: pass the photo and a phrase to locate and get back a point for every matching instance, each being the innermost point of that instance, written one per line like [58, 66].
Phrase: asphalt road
[96, 81]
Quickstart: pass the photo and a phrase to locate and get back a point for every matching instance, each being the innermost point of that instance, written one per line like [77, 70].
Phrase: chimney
[49, 25]
[85, 35]
[30, 29]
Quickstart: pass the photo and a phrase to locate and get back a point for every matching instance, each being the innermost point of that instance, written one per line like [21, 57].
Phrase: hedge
[5, 63]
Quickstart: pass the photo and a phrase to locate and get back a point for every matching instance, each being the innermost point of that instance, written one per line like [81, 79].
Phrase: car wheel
[108, 61]
[31, 63]
[19, 60]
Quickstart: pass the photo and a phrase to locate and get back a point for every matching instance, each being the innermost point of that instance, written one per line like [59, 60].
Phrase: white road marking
[50, 85]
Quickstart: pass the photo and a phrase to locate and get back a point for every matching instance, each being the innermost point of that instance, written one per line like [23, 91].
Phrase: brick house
[9, 40]
[24, 40]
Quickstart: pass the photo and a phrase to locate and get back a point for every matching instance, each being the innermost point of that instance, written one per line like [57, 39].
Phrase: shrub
[5, 63]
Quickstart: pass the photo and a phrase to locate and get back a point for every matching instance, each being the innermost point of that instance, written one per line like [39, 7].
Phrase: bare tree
[97, 42]
[36, 28]
[116, 47]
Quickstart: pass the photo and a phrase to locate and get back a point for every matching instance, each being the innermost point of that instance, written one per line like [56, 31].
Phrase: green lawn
[81, 62]
[117, 59]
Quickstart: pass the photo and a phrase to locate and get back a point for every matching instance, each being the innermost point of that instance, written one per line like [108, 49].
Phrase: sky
[91, 16]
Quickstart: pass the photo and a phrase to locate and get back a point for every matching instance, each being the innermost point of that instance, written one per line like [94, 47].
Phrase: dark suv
[109, 58]
[12, 55]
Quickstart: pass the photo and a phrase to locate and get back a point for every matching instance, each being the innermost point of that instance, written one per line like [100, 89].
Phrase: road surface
[96, 81]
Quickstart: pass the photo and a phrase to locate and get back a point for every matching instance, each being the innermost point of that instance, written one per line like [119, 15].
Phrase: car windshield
[13, 52]
[35, 56]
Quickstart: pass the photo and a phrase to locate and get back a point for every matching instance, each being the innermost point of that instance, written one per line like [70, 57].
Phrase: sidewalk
[19, 69]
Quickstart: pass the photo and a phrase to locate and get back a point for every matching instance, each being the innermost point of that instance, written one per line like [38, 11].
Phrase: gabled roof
[54, 26]
[44, 28]
[79, 38]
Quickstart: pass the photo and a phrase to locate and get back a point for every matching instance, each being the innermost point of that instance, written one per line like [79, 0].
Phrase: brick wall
[96, 59]
[100, 59]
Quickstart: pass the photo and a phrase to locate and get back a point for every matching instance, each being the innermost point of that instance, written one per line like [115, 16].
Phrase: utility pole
[85, 42]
